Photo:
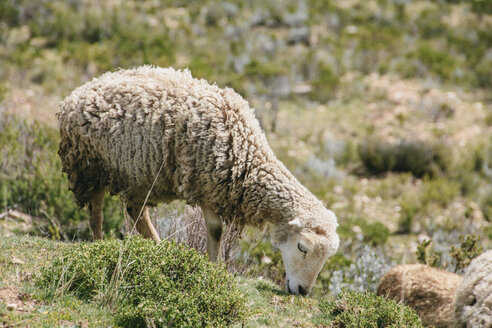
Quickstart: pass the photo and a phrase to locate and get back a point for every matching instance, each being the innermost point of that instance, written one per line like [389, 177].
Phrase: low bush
[147, 284]
[352, 309]
[420, 158]
[375, 233]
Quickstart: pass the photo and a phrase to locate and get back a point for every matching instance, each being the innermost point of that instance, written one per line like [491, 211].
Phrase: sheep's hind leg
[144, 225]
[214, 228]
[96, 211]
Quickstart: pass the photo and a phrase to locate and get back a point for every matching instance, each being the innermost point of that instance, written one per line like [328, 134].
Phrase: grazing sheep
[429, 291]
[153, 135]
[473, 306]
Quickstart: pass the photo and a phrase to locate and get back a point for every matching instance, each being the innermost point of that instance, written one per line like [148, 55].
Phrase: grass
[267, 305]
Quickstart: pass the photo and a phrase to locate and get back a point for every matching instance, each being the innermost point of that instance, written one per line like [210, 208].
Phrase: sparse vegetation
[381, 108]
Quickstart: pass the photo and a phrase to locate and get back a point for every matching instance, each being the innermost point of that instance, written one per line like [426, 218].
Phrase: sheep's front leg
[214, 228]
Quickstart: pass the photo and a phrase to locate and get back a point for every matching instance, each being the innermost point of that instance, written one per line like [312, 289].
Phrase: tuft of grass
[352, 309]
[146, 284]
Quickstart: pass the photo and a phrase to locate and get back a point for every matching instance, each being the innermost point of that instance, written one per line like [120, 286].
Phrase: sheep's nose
[302, 291]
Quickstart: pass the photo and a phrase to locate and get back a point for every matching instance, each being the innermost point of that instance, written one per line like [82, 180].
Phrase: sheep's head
[305, 247]
[473, 305]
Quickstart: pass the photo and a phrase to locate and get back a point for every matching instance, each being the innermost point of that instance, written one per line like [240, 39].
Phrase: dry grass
[189, 228]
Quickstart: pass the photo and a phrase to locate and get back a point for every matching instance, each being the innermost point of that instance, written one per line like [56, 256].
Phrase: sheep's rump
[122, 131]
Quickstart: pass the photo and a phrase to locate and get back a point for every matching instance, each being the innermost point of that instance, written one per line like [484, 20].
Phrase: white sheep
[429, 291]
[441, 298]
[152, 135]
[473, 305]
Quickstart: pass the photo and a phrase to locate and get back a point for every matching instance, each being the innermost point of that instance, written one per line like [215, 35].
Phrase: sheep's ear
[296, 222]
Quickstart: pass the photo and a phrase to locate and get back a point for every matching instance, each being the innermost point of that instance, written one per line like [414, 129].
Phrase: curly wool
[429, 291]
[473, 307]
[200, 143]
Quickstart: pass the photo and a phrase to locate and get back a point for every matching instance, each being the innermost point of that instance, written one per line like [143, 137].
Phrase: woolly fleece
[429, 291]
[473, 305]
[201, 143]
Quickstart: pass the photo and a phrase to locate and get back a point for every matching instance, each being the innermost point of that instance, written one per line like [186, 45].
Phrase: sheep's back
[124, 129]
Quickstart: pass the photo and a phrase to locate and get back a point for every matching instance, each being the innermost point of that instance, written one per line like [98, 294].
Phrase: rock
[11, 306]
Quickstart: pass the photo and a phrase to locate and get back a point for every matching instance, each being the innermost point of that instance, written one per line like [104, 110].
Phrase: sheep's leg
[144, 225]
[214, 228]
[96, 211]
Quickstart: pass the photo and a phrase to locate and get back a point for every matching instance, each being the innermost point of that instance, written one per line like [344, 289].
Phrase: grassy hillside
[27, 299]
[381, 108]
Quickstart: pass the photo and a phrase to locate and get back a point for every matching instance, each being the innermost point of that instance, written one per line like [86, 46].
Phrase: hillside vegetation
[381, 108]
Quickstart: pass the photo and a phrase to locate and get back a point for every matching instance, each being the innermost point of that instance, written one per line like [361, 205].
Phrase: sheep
[473, 304]
[152, 135]
[429, 291]
[442, 298]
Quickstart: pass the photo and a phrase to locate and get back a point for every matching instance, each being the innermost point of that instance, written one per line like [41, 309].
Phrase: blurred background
[383, 109]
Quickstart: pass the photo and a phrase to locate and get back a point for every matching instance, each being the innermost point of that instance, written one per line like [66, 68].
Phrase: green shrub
[325, 85]
[466, 252]
[418, 157]
[375, 233]
[31, 178]
[352, 309]
[424, 256]
[147, 284]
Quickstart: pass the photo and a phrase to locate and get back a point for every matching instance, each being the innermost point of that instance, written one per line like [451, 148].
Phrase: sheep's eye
[301, 248]
[473, 301]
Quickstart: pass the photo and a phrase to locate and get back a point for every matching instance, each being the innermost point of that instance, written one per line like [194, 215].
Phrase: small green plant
[466, 252]
[352, 309]
[146, 284]
[376, 233]
[424, 256]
